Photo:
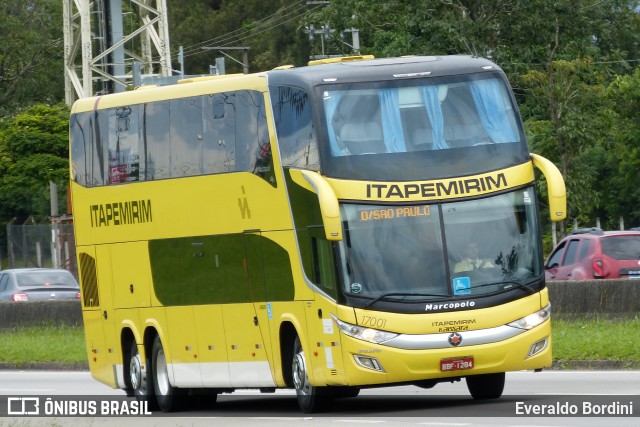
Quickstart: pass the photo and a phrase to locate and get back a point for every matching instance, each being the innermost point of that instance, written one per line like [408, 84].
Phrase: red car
[591, 253]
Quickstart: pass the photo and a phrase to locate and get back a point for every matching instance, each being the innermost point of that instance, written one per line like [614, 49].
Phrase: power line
[252, 34]
[239, 30]
[261, 29]
[240, 34]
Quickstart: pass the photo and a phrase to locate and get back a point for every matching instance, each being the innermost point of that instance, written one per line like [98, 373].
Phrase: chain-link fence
[41, 244]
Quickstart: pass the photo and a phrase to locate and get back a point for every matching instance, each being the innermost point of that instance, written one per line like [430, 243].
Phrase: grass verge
[586, 340]
[613, 340]
[35, 344]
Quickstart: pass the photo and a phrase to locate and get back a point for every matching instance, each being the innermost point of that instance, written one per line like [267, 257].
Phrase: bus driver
[472, 260]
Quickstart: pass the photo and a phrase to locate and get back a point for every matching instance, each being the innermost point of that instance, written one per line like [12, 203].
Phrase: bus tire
[486, 386]
[140, 379]
[169, 398]
[310, 398]
[343, 392]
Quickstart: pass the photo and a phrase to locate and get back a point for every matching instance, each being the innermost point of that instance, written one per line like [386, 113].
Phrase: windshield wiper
[525, 286]
[402, 294]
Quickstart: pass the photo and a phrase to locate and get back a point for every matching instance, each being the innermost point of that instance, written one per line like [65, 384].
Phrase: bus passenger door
[324, 337]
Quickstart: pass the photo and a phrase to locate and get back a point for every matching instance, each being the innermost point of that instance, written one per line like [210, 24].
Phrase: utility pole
[99, 56]
[245, 55]
[325, 32]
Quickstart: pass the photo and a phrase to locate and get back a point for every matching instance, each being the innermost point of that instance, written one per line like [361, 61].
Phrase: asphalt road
[444, 405]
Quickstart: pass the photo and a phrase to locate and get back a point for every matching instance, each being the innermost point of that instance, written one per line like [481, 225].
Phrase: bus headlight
[375, 336]
[532, 320]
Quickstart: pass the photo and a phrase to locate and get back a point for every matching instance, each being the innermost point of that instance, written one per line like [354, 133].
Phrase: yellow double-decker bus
[312, 228]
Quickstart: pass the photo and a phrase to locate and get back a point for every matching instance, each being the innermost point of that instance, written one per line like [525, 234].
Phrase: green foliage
[269, 29]
[575, 128]
[33, 152]
[621, 180]
[31, 52]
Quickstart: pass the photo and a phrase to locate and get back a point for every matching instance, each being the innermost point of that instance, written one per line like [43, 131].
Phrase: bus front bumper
[369, 364]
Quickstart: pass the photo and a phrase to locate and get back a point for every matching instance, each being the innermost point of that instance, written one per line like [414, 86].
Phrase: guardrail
[585, 298]
[38, 313]
[593, 298]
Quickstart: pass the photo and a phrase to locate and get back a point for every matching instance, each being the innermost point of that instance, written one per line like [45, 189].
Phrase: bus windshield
[425, 251]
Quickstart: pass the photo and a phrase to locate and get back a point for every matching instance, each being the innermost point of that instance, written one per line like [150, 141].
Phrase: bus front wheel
[486, 386]
[169, 398]
[310, 398]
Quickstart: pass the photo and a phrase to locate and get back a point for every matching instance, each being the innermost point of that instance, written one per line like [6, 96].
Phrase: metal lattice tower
[99, 55]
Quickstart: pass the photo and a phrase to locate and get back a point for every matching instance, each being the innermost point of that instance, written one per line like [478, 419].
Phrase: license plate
[457, 364]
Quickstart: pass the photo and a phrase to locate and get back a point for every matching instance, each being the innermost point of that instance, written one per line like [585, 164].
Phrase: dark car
[38, 284]
[591, 253]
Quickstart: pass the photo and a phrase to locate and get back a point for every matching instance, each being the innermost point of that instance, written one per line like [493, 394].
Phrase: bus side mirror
[556, 190]
[329, 207]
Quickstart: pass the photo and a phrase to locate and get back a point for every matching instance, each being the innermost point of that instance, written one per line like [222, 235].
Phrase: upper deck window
[200, 135]
[419, 129]
[421, 117]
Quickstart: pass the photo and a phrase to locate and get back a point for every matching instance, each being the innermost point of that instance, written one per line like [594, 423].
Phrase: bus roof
[380, 69]
[187, 88]
[330, 71]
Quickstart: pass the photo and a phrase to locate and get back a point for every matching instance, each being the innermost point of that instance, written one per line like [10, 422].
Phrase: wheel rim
[162, 376]
[300, 379]
[135, 372]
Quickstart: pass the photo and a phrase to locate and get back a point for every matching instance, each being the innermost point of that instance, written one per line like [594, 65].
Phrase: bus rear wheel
[140, 378]
[310, 398]
[486, 386]
[169, 398]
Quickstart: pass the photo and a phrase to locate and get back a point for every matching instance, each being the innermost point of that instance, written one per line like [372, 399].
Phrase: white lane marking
[444, 424]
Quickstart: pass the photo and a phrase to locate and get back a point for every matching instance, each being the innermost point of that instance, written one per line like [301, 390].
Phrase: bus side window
[253, 145]
[324, 270]
[219, 142]
[186, 136]
[296, 134]
[155, 162]
[124, 159]
[81, 131]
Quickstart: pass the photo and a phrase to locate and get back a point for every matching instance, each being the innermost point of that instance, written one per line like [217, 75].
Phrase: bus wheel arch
[288, 335]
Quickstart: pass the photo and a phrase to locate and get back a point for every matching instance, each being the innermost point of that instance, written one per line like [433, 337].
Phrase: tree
[33, 152]
[619, 178]
[269, 29]
[31, 68]
[576, 124]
